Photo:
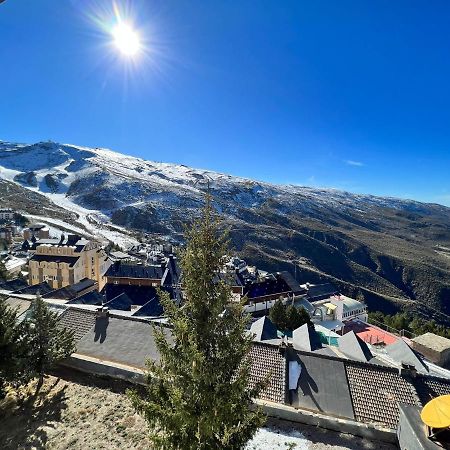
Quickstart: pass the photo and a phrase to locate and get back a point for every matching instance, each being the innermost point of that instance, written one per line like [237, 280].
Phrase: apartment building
[66, 261]
[7, 214]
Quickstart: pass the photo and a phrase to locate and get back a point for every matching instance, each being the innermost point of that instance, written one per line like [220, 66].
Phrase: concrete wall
[440, 358]
[103, 368]
[340, 425]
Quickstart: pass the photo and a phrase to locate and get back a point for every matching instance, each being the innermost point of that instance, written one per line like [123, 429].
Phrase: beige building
[63, 262]
[435, 348]
[36, 230]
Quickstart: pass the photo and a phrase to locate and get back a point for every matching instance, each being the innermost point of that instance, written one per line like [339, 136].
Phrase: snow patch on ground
[274, 438]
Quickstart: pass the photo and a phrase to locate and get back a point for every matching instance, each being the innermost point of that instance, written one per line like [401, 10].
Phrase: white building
[334, 311]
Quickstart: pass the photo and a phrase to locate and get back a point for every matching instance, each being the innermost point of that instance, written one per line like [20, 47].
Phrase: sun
[126, 39]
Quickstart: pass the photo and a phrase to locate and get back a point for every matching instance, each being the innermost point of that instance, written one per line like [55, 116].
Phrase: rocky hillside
[393, 252]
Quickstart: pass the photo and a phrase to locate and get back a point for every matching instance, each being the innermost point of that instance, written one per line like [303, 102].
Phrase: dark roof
[122, 270]
[293, 284]
[14, 285]
[71, 260]
[77, 320]
[354, 347]
[321, 291]
[306, 338]
[376, 392]
[230, 278]
[268, 361]
[65, 293]
[263, 329]
[41, 288]
[174, 274]
[122, 302]
[90, 298]
[72, 291]
[152, 308]
[401, 352]
[139, 295]
[125, 341]
[322, 386]
[270, 286]
[83, 284]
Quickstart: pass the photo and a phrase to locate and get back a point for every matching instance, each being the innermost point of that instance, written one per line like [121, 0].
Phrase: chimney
[407, 370]
[102, 311]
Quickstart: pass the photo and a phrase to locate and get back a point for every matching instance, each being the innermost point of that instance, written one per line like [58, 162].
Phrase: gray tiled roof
[376, 392]
[77, 320]
[268, 361]
[121, 340]
[430, 387]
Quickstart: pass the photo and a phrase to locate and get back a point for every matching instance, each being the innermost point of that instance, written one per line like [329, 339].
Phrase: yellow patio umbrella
[436, 413]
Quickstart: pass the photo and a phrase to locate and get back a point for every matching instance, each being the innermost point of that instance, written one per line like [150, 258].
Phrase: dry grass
[71, 415]
[77, 411]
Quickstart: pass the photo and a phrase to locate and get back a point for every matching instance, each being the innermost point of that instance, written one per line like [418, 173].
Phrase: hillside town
[333, 368]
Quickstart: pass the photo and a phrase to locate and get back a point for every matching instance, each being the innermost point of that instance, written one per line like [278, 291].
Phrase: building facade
[7, 214]
[37, 231]
[67, 261]
[6, 233]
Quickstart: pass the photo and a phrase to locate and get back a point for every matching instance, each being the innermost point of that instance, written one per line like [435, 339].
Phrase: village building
[66, 261]
[37, 231]
[7, 214]
[129, 284]
[333, 312]
[6, 233]
[435, 348]
[263, 293]
[14, 265]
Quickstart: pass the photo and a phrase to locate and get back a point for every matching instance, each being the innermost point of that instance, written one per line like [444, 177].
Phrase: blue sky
[351, 94]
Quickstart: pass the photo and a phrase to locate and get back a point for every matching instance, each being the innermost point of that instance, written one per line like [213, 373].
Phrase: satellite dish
[436, 413]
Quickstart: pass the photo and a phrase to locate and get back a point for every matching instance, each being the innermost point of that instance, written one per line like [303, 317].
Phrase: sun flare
[126, 39]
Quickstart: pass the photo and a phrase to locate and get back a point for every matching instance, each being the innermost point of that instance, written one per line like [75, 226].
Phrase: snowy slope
[100, 181]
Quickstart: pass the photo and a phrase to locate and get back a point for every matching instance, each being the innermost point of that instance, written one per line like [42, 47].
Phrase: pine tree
[293, 319]
[304, 317]
[10, 346]
[48, 343]
[277, 315]
[198, 395]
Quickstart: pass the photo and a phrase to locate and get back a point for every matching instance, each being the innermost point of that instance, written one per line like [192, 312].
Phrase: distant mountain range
[394, 253]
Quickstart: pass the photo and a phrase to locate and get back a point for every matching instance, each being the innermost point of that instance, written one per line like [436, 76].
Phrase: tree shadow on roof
[101, 324]
[307, 386]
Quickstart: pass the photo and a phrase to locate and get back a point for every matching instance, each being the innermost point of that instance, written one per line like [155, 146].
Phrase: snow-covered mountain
[374, 241]
[104, 182]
